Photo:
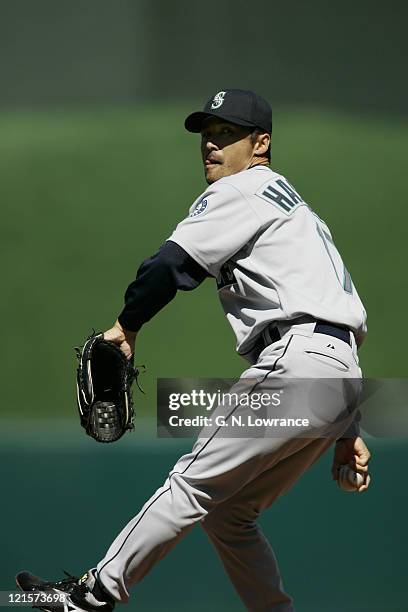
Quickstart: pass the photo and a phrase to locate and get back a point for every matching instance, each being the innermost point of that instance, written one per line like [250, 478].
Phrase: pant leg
[245, 553]
[216, 470]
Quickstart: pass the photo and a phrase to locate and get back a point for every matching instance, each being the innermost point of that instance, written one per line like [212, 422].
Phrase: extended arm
[157, 281]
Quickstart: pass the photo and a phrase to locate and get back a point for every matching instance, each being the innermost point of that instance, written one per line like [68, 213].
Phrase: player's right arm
[354, 453]
[360, 334]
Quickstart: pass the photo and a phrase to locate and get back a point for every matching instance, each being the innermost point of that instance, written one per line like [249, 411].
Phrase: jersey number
[340, 269]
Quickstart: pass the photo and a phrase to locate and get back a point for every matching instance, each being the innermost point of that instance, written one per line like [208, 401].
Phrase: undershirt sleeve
[157, 281]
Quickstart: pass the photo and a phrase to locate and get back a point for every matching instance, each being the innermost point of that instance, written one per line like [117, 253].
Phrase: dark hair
[255, 132]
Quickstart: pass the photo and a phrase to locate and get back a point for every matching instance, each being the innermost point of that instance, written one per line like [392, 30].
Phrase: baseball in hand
[349, 480]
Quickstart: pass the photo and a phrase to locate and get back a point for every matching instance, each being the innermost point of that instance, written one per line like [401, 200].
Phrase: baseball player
[296, 314]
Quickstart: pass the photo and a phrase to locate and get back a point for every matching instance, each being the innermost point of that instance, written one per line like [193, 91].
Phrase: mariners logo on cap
[218, 99]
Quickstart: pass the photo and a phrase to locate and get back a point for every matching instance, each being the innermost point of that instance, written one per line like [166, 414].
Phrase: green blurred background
[95, 171]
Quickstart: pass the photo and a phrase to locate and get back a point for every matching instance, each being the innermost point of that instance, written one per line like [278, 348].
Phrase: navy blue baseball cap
[237, 106]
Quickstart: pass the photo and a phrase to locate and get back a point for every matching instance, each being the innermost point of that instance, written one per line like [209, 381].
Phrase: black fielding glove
[104, 379]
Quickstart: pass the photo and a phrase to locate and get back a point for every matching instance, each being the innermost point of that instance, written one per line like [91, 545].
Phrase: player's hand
[354, 453]
[124, 338]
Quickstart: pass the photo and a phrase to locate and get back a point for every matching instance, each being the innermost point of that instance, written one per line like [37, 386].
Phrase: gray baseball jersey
[274, 259]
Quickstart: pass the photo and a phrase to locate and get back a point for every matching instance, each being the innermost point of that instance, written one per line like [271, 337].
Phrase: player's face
[226, 148]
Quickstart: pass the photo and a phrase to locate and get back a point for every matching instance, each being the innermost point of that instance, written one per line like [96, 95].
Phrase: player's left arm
[157, 281]
[124, 338]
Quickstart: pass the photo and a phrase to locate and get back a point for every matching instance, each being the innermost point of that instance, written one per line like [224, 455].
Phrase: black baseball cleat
[71, 594]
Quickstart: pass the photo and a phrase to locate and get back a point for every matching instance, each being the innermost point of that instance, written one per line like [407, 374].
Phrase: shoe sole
[34, 607]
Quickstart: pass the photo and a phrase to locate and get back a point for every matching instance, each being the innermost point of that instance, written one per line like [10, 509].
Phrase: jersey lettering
[286, 198]
[290, 191]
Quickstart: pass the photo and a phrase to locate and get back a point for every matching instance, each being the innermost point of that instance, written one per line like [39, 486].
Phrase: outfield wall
[349, 55]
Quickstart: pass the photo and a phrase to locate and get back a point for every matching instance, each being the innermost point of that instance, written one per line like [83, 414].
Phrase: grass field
[87, 195]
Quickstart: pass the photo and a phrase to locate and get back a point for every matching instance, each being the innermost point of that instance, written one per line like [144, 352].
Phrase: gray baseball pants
[224, 483]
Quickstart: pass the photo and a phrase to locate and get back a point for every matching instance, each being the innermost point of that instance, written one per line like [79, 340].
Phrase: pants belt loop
[266, 334]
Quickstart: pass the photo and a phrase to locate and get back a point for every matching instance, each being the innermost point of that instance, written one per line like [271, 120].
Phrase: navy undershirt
[157, 281]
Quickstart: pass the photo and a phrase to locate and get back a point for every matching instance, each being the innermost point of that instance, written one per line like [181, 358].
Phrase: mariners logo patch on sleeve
[199, 208]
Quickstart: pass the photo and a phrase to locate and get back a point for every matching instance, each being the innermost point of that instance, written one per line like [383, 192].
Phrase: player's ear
[263, 140]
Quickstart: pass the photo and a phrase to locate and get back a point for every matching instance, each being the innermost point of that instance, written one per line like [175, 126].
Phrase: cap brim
[194, 122]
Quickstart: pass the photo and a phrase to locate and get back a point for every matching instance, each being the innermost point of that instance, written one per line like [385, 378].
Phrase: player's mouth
[210, 161]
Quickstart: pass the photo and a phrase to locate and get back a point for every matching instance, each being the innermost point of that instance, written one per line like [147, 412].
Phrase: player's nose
[208, 146]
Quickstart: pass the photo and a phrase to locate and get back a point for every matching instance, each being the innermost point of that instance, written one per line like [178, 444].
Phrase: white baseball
[349, 480]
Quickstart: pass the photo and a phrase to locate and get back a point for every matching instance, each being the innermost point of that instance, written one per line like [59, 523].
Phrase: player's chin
[213, 173]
